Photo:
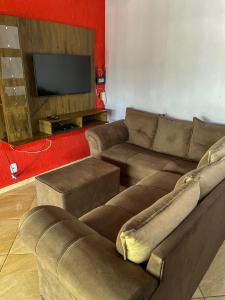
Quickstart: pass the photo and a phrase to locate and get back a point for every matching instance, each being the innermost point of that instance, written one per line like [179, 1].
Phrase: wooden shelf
[80, 119]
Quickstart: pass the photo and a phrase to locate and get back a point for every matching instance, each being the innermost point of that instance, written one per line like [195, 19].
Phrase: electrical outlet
[13, 168]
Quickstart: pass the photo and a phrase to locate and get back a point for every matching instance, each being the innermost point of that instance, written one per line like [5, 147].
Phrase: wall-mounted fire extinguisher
[100, 75]
[100, 88]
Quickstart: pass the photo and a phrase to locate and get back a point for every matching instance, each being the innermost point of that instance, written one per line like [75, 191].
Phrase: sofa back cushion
[142, 233]
[173, 136]
[203, 137]
[208, 177]
[215, 153]
[141, 126]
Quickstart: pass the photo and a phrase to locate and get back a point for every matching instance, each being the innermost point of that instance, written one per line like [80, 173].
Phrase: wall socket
[13, 168]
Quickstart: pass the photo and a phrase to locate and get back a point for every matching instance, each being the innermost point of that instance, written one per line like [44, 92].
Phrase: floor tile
[19, 247]
[216, 298]
[213, 283]
[34, 202]
[19, 278]
[8, 231]
[24, 190]
[14, 206]
[2, 260]
[197, 294]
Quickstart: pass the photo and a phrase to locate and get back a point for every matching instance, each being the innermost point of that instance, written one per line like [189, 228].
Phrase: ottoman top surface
[78, 174]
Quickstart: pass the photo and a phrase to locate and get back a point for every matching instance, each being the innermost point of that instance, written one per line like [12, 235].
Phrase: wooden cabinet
[80, 119]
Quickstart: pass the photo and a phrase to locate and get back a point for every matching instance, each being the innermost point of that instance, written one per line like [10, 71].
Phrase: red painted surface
[69, 147]
[84, 13]
[43, 155]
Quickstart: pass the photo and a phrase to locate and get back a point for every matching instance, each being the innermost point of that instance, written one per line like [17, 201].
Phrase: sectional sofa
[154, 240]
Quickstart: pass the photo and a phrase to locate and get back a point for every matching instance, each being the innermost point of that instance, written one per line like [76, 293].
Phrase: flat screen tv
[62, 74]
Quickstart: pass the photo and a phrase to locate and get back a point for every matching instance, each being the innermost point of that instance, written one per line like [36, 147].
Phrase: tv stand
[82, 119]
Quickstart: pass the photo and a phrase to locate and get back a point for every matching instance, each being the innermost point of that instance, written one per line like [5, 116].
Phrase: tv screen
[60, 74]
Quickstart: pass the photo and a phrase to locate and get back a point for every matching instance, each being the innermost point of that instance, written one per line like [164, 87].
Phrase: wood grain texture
[15, 110]
[3, 133]
[20, 115]
[47, 37]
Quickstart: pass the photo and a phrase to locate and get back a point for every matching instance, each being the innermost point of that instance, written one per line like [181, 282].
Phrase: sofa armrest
[105, 136]
[85, 263]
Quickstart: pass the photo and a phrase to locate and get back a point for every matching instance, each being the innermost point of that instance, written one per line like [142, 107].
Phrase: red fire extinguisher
[100, 88]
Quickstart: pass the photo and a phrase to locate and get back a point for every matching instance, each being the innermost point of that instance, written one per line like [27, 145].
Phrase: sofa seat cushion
[145, 231]
[141, 127]
[165, 181]
[203, 137]
[180, 166]
[107, 220]
[144, 164]
[121, 152]
[150, 162]
[137, 198]
[173, 136]
[137, 162]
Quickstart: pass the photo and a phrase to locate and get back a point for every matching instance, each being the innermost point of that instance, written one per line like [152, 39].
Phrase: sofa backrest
[215, 153]
[208, 177]
[141, 126]
[186, 139]
[204, 136]
[172, 136]
[182, 259]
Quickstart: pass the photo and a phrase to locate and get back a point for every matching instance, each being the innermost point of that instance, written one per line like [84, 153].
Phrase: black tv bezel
[68, 94]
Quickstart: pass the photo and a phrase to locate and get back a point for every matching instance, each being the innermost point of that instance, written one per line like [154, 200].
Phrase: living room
[112, 149]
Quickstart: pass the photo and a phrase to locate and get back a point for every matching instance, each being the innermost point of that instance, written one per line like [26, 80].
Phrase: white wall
[166, 56]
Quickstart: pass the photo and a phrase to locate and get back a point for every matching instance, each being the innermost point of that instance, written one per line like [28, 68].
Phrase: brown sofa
[168, 224]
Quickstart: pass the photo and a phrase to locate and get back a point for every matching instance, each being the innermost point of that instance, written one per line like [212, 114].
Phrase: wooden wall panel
[22, 113]
[17, 123]
[15, 117]
[47, 37]
[3, 134]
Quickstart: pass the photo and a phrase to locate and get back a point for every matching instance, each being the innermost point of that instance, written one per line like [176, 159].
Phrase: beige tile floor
[18, 270]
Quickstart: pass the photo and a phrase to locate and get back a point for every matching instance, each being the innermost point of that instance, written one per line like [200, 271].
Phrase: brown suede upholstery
[142, 127]
[189, 250]
[162, 180]
[204, 136]
[78, 260]
[136, 198]
[180, 166]
[105, 136]
[137, 163]
[173, 137]
[146, 230]
[107, 220]
[215, 153]
[83, 262]
[90, 267]
[79, 187]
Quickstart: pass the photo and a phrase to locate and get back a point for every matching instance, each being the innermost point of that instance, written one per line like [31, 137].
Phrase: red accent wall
[68, 147]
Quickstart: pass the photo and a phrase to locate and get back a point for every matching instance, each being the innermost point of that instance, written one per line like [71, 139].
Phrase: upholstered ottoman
[79, 187]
